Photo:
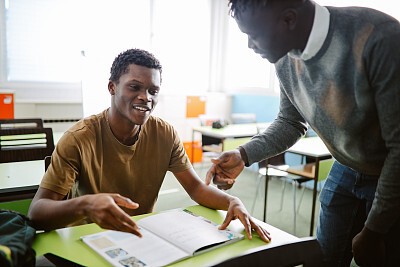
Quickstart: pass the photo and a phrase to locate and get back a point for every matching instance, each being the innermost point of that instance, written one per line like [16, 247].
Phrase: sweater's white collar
[317, 36]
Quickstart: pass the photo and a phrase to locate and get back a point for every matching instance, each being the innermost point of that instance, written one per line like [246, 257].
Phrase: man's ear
[111, 87]
[289, 18]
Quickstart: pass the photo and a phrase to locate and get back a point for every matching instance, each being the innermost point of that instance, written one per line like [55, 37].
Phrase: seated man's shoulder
[158, 123]
[85, 128]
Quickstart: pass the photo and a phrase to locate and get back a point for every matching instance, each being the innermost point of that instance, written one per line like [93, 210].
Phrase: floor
[172, 195]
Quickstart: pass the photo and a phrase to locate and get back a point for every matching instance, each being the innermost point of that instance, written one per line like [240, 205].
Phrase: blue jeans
[346, 200]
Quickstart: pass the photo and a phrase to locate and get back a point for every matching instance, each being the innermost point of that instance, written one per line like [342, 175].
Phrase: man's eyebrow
[137, 81]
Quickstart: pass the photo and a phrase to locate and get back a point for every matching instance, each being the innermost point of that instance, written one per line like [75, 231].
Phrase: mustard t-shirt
[88, 159]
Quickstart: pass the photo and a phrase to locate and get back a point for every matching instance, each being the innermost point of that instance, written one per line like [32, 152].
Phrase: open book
[167, 237]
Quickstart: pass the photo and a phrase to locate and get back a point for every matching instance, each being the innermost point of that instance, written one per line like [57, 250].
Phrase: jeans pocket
[334, 195]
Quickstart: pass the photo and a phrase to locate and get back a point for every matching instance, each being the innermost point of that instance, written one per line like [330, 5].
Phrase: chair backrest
[233, 143]
[277, 160]
[21, 206]
[324, 168]
[306, 251]
[21, 123]
[238, 118]
[47, 162]
[25, 144]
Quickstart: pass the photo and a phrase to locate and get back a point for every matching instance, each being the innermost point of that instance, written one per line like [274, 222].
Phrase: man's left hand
[369, 248]
[237, 210]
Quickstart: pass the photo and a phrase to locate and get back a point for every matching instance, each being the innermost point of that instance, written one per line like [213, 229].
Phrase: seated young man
[111, 165]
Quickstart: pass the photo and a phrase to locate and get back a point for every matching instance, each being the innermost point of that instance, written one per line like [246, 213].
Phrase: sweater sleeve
[285, 131]
[382, 59]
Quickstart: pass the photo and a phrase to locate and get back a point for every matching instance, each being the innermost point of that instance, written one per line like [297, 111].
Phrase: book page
[125, 249]
[187, 230]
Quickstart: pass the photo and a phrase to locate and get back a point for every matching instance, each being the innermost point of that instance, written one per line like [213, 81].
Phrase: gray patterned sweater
[349, 93]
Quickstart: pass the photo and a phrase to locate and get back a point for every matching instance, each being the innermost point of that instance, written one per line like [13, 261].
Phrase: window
[50, 47]
[41, 41]
[181, 40]
[244, 69]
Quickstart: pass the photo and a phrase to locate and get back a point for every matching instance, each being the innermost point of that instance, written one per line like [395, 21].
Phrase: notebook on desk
[167, 237]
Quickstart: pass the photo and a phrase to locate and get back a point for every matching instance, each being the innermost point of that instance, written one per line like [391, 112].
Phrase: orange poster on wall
[6, 105]
[195, 105]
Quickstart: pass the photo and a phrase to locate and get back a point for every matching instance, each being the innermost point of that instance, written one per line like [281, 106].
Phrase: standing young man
[339, 71]
[106, 161]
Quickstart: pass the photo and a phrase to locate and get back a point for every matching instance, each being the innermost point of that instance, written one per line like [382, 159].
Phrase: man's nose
[145, 96]
[250, 44]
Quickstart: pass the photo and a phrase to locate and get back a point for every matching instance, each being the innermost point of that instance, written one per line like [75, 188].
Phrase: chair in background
[232, 143]
[21, 206]
[23, 144]
[279, 171]
[323, 171]
[299, 175]
[21, 123]
[238, 118]
[47, 162]
[306, 252]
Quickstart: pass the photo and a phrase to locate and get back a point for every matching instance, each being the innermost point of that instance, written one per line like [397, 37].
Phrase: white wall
[171, 107]
[49, 111]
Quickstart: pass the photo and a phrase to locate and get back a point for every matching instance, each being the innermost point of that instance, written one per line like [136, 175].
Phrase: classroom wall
[265, 107]
[171, 107]
[49, 111]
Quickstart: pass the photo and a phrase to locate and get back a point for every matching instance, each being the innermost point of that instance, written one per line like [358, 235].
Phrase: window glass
[181, 40]
[108, 29]
[45, 37]
[42, 41]
[243, 67]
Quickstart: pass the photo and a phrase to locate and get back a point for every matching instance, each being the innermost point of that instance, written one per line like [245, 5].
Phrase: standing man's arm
[213, 198]
[284, 132]
[382, 67]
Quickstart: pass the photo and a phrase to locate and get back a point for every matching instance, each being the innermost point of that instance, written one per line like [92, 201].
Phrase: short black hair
[135, 56]
[238, 6]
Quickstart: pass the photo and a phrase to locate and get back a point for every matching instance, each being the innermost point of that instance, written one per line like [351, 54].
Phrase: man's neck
[306, 16]
[126, 132]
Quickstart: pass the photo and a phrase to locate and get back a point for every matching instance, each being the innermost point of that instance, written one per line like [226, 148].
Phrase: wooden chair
[306, 252]
[25, 144]
[21, 123]
[47, 162]
[298, 175]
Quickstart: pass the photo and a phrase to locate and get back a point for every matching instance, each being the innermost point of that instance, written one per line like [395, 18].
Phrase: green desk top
[66, 242]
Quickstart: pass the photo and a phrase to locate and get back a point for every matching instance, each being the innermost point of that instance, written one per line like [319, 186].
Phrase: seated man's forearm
[211, 197]
[48, 214]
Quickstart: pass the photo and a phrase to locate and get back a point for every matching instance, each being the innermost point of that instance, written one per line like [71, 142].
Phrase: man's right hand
[104, 209]
[225, 169]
